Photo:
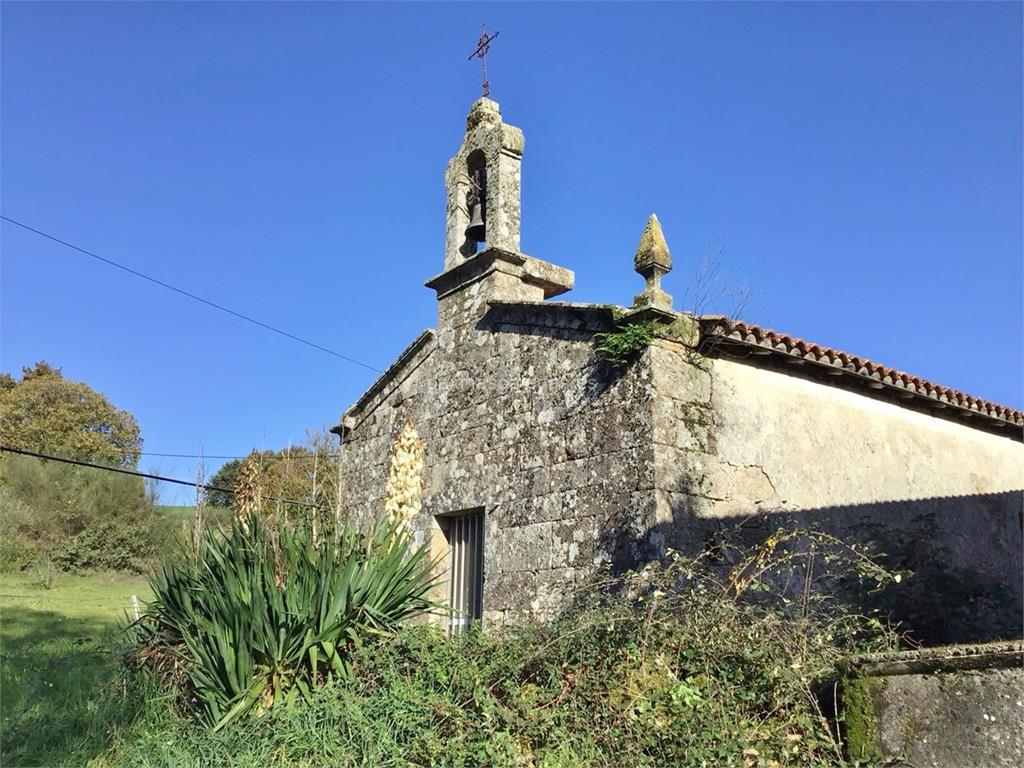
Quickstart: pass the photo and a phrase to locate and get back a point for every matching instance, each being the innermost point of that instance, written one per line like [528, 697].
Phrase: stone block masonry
[520, 419]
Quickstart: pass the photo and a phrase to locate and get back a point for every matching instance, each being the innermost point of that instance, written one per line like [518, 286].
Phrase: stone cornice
[554, 280]
[1000, 654]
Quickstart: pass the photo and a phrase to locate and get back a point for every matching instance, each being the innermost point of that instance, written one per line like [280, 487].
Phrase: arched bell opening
[476, 201]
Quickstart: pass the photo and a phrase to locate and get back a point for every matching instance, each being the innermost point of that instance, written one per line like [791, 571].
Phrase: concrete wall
[823, 446]
[952, 707]
[941, 498]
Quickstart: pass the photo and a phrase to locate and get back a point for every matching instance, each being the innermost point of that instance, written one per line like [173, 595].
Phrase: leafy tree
[305, 473]
[76, 517]
[272, 471]
[48, 413]
[225, 477]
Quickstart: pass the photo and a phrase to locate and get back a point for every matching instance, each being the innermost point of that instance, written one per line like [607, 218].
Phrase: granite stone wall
[518, 418]
[577, 465]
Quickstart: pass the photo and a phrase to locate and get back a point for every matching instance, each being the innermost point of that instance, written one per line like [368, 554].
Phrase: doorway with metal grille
[465, 534]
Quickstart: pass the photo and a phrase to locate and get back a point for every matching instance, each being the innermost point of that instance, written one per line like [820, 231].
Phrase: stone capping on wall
[955, 706]
[1005, 654]
[394, 375]
[767, 348]
[563, 313]
[554, 280]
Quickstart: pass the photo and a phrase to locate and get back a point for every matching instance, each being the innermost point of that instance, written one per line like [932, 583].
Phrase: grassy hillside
[179, 512]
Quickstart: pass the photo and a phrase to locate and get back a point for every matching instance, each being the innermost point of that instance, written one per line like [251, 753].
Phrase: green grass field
[58, 649]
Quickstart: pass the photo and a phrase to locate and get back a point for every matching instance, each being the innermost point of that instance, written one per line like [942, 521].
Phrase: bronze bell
[475, 231]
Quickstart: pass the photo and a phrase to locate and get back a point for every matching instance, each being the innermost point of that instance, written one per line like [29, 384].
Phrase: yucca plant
[259, 615]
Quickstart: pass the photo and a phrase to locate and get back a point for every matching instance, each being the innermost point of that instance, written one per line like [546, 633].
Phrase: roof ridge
[879, 376]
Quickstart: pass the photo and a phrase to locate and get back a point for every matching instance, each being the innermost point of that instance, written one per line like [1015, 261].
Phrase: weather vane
[482, 46]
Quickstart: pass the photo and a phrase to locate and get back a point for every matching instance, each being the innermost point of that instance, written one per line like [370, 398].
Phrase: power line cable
[190, 295]
[148, 475]
[189, 455]
[245, 456]
[108, 468]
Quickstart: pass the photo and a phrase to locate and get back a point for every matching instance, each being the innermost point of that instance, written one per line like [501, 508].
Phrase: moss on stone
[910, 731]
[860, 717]
[683, 330]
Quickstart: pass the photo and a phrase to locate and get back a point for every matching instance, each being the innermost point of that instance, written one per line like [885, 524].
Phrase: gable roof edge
[394, 373]
[756, 344]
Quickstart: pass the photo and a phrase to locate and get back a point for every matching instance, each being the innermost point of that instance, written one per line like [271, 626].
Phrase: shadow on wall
[964, 555]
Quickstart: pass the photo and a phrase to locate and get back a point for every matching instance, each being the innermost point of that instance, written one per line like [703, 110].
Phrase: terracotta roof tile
[716, 329]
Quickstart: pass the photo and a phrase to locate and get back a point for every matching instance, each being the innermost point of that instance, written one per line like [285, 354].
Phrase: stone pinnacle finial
[653, 250]
[653, 260]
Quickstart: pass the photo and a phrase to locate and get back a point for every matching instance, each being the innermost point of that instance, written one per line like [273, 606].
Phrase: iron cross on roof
[482, 46]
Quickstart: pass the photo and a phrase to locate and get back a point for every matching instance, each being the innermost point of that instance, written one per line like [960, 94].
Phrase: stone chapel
[543, 463]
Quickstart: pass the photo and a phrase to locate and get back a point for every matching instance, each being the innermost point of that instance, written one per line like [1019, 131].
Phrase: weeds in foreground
[721, 660]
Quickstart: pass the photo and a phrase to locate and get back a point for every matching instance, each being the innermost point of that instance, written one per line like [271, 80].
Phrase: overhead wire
[207, 302]
[244, 456]
[189, 294]
[148, 475]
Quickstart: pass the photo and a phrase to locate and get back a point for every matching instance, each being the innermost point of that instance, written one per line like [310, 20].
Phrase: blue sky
[860, 165]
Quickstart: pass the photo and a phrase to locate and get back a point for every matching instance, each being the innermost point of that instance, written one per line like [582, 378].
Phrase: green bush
[80, 518]
[16, 552]
[669, 666]
[262, 613]
[106, 545]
